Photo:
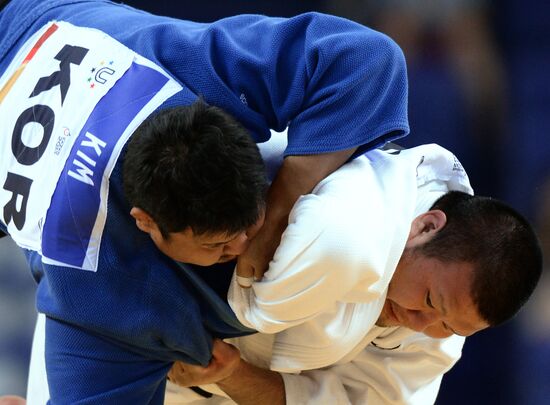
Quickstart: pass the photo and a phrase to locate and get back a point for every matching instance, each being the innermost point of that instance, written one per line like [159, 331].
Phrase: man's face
[203, 250]
[430, 296]
[188, 247]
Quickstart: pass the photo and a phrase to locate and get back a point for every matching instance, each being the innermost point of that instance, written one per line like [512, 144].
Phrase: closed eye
[429, 300]
[214, 245]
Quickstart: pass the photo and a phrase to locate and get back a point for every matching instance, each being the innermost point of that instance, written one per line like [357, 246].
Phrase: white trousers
[37, 385]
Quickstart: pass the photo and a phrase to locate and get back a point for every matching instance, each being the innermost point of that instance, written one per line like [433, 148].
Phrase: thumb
[222, 350]
[244, 273]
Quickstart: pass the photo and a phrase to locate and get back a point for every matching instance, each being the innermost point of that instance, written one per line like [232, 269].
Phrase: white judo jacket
[317, 305]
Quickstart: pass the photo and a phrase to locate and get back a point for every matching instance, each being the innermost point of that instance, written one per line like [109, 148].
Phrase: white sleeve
[408, 375]
[342, 244]
[316, 265]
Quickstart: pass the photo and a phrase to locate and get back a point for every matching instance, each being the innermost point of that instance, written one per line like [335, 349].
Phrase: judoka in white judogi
[325, 288]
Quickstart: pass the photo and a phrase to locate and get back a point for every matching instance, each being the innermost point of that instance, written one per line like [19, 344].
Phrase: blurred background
[479, 75]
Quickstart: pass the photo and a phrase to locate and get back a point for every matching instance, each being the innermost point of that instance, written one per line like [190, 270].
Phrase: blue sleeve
[87, 369]
[335, 83]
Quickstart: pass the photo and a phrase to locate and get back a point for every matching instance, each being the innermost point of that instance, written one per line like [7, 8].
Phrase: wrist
[231, 380]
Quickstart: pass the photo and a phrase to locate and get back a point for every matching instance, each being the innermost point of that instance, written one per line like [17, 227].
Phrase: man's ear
[425, 226]
[143, 220]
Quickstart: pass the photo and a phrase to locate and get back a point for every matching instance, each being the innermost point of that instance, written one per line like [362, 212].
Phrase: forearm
[250, 385]
[298, 176]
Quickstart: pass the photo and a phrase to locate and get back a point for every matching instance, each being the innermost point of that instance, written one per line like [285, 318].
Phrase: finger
[172, 377]
[259, 273]
[175, 372]
[186, 375]
[244, 274]
[221, 348]
[245, 282]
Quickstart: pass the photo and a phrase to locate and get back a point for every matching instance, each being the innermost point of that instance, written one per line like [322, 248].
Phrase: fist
[225, 360]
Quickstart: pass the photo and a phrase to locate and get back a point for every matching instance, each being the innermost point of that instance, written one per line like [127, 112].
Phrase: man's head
[469, 263]
[196, 182]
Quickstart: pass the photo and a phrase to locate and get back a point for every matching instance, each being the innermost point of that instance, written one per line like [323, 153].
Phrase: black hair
[499, 242]
[195, 166]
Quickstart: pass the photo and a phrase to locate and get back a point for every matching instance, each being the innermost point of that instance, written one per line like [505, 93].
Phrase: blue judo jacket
[84, 74]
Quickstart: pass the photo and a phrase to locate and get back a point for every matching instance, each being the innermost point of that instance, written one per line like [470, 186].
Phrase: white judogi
[325, 288]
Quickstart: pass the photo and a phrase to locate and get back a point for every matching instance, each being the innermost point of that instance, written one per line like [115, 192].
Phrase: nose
[420, 320]
[237, 245]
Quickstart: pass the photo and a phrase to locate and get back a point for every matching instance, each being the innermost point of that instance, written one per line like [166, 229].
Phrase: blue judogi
[118, 310]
